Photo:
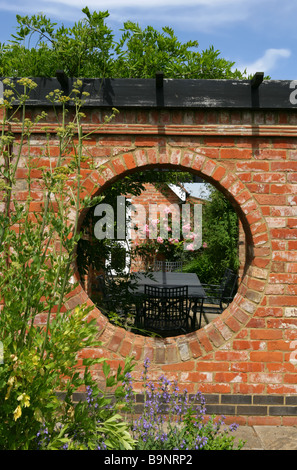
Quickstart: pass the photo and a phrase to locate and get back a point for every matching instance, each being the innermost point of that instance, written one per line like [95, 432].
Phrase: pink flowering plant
[158, 240]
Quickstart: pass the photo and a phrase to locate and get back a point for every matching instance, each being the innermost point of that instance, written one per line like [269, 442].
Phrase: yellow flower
[24, 399]
[10, 383]
[11, 380]
[35, 360]
[17, 413]
[27, 82]
[8, 392]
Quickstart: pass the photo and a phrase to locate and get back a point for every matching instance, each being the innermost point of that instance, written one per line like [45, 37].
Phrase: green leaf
[106, 369]
[110, 381]
[92, 361]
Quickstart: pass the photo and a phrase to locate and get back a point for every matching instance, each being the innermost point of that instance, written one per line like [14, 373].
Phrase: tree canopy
[88, 49]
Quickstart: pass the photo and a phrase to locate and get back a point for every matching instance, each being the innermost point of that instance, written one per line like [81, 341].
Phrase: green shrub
[220, 228]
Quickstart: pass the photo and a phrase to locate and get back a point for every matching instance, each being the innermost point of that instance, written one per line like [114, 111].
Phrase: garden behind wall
[241, 136]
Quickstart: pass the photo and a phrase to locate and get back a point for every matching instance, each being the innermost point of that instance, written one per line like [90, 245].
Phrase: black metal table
[170, 279]
[162, 279]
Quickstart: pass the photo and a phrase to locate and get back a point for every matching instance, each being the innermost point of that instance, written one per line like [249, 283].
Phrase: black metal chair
[165, 311]
[168, 266]
[115, 297]
[106, 299]
[218, 297]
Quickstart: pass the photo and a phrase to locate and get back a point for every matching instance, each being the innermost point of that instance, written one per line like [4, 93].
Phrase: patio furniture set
[169, 302]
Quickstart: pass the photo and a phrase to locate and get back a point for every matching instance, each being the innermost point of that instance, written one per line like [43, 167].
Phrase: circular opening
[108, 264]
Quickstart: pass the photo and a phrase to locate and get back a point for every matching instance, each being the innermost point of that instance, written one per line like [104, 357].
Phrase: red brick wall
[244, 360]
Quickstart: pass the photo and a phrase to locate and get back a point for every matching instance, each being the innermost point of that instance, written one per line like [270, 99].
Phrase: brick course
[244, 360]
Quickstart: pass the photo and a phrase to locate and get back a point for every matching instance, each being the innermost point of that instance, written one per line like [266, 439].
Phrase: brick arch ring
[120, 343]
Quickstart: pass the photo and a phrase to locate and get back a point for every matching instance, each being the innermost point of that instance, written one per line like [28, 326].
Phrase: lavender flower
[172, 420]
[233, 427]
[102, 446]
[146, 363]
[89, 395]
[44, 437]
[200, 442]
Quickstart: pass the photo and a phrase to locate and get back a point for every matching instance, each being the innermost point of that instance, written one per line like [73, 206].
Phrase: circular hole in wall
[107, 265]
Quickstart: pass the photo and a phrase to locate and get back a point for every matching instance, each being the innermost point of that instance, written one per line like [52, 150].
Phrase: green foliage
[143, 52]
[94, 423]
[30, 378]
[78, 50]
[88, 49]
[220, 232]
[41, 359]
[172, 420]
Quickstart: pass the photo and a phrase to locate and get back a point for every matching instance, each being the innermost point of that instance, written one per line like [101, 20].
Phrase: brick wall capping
[172, 129]
[175, 93]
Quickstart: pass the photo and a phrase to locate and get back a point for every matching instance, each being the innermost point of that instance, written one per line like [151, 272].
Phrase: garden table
[196, 293]
[170, 279]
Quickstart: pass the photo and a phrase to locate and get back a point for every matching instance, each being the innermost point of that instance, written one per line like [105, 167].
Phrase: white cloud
[267, 62]
[144, 4]
[201, 14]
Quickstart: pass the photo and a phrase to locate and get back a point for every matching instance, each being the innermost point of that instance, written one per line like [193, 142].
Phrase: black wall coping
[171, 93]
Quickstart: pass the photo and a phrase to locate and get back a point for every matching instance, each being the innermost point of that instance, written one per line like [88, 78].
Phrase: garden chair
[168, 266]
[165, 311]
[106, 298]
[115, 297]
[218, 297]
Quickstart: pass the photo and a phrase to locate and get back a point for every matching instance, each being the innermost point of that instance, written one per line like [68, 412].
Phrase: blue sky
[259, 35]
